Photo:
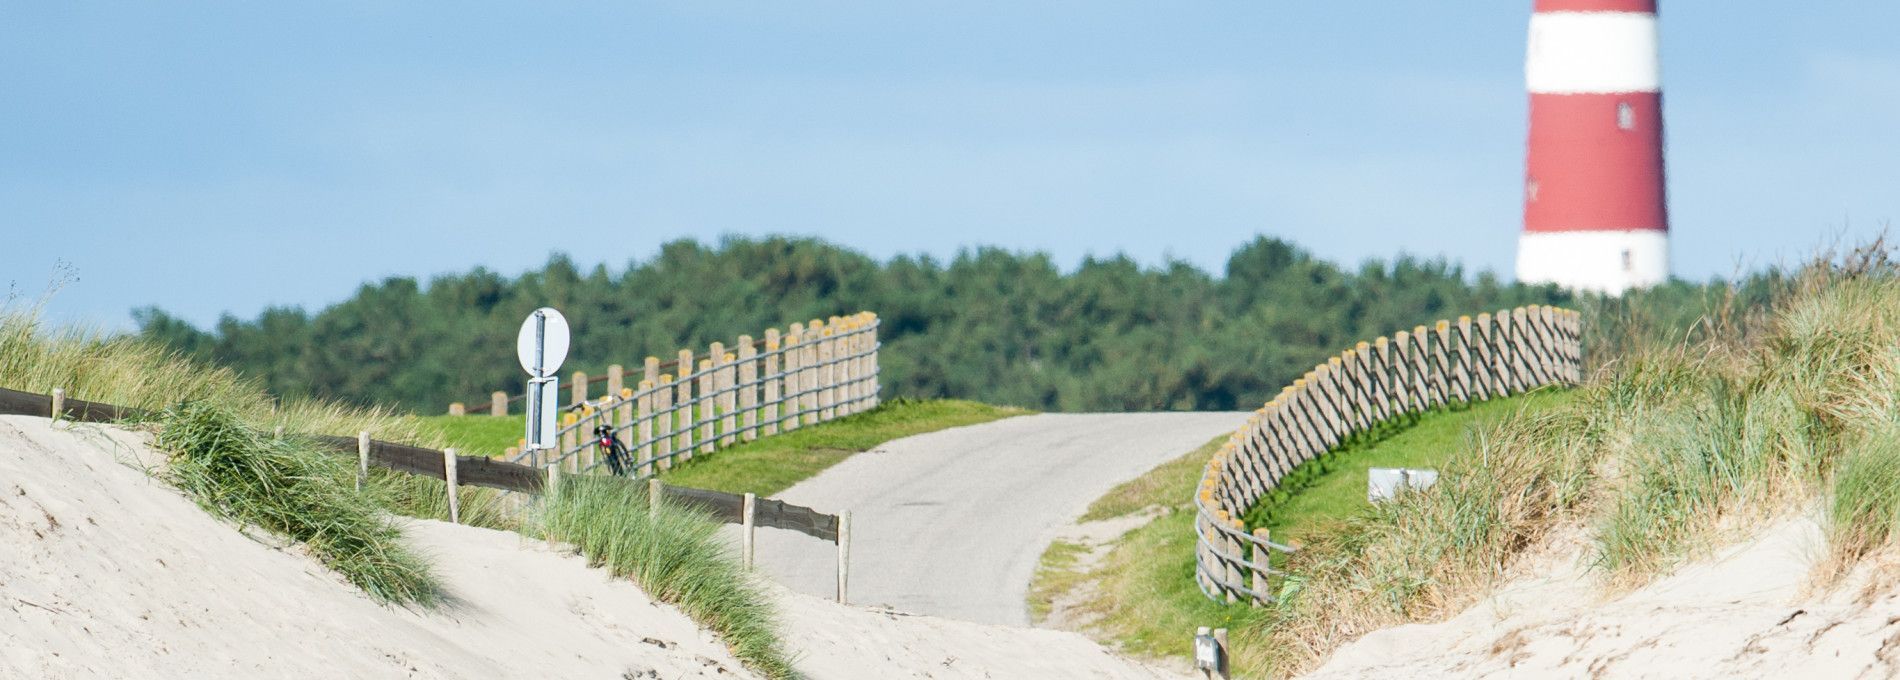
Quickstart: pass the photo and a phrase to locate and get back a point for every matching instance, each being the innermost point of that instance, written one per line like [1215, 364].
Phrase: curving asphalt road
[952, 523]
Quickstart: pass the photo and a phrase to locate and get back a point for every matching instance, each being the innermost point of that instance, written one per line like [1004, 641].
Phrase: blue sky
[221, 157]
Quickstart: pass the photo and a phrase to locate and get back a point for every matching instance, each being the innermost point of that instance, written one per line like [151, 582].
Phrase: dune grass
[291, 489]
[674, 556]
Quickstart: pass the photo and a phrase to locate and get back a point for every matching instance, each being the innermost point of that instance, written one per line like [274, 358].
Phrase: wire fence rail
[1510, 352]
[745, 510]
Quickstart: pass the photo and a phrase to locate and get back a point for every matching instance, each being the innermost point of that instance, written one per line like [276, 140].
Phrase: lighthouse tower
[1593, 191]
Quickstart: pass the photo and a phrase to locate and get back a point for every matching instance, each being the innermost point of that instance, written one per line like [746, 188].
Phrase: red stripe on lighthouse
[1595, 162]
[1595, 6]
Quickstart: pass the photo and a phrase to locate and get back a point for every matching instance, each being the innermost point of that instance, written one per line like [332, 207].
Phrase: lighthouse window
[1629, 263]
[1625, 116]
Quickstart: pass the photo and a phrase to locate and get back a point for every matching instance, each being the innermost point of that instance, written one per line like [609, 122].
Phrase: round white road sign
[542, 344]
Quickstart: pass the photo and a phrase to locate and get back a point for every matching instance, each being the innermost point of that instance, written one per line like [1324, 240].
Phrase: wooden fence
[745, 510]
[814, 373]
[1471, 360]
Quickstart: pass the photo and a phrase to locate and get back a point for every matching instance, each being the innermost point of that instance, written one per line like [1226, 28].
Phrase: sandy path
[951, 523]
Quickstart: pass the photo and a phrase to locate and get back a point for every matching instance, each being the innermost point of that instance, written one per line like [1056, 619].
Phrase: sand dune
[1743, 614]
[109, 573]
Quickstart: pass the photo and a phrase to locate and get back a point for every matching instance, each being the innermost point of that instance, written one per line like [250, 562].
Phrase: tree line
[989, 324]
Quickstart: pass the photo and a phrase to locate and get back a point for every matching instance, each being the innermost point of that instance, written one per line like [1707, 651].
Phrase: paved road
[952, 523]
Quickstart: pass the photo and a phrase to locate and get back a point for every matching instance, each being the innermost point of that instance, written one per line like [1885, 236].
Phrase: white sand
[107, 572]
[1742, 614]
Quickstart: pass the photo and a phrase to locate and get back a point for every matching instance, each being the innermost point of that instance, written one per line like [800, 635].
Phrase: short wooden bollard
[1210, 652]
[655, 489]
[498, 404]
[844, 555]
[448, 476]
[748, 509]
[59, 404]
[362, 459]
[457, 409]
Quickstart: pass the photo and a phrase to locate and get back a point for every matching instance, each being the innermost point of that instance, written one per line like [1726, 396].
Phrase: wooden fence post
[59, 404]
[870, 362]
[748, 509]
[748, 389]
[664, 416]
[728, 400]
[643, 453]
[362, 459]
[1262, 560]
[656, 489]
[448, 477]
[794, 379]
[812, 383]
[769, 408]
[578, 389]
[567, 440]
[684, 403]
[827, 373]
[844, 555]
[616, 379]
[457, 409]
[704, 407]
[498, 403]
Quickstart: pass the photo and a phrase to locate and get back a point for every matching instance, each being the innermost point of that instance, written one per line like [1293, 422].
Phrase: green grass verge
[296, 491]
[1315, 497]
[675, 557]
[772, 464]
[476, 435]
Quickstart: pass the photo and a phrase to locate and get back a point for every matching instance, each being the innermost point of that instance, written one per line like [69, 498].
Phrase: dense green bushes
[989, 325]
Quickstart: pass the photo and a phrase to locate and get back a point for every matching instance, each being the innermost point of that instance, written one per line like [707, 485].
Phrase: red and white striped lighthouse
[1593, 189]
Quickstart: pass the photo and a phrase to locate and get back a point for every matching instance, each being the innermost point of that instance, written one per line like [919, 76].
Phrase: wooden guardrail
[1507, 353]
[743, 509]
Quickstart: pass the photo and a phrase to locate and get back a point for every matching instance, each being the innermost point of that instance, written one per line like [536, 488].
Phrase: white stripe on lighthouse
[1592, 53]
[1602, 261]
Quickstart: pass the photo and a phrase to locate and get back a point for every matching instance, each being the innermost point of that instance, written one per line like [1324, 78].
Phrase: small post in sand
[747, 510]
[362, 459]
[59, 403]
[448, 476]
[844, 554]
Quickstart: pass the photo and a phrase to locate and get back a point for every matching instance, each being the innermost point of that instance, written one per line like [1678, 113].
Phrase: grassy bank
[1667, 452]
[1317, 496]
